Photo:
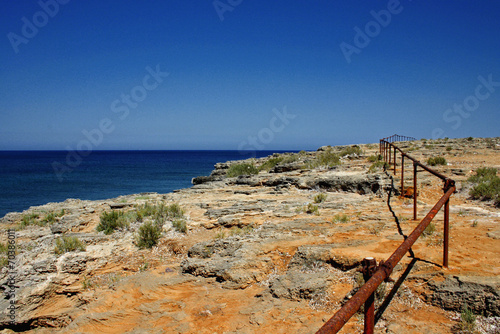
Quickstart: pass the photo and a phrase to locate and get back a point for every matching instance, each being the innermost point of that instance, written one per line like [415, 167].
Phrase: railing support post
[414, 191]
[394, 161]
[402, 174]
[390, 155]
[446, 232]
[369, 268]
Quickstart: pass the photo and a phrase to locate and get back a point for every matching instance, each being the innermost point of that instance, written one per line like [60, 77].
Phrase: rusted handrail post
[369, 268]
[446, 232]
[390, 154]
[402, 174]
[414, 190]
[394, 161]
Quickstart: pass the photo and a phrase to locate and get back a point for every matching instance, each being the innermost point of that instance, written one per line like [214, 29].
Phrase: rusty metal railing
[375, 275]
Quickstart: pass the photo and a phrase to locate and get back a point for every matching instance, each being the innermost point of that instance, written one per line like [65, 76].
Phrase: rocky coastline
[276, 249]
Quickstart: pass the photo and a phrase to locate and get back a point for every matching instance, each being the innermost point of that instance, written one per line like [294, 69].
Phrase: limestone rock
[481, 294]
[308, 254]
[297, 285]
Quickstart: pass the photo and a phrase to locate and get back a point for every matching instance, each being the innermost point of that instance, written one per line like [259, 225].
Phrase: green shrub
[235, 230]
[429, 230]
[221, 234]
[146, 210]
[4, 260]
[467, 321]
[484, 173]
[309, 208]
[320, 198]
[312, 209]
[374, 158]
[486, 185]
[434, 161]
[449, 148]
[159, 212]
[180, 225]
[470, 138]
[289, 158]
[242, 169]
[271, 163]
[31, 219]
[148, 235]
[174, 211]
[111, 221]
[343, 218]
[355, 149]
[68, 244]
[377, 166]
[49, 218]
[325, 159]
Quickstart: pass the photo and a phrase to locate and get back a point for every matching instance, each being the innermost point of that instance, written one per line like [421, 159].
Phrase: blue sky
[418, 68]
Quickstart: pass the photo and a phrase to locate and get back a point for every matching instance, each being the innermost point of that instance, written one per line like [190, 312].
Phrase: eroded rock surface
[262, 253]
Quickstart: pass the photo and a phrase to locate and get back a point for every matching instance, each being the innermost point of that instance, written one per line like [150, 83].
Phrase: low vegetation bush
[271, 163]
[376, 166]
[467, 321]
[340, 218]
[30, 219]
[242, 169]
[110, 221]
[180, 225]
[486, 185]
[159, 212]
[36, 219]
[312, 209]
[374, 158]
[309, 208]
[434, 161]
[355, 149]
[221, 234]
[68, 244]
[148, 235]
[429, 230]
[281, 159]
[235, 230]
[320, 198]
[4, 260]
[325, 159]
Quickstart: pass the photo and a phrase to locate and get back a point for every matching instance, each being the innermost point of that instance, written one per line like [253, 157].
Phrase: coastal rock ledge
[269, 245]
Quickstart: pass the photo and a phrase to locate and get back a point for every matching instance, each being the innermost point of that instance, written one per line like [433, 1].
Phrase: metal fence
[376, 274]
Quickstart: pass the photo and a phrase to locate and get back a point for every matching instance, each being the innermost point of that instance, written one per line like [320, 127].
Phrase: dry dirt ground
[150, 291]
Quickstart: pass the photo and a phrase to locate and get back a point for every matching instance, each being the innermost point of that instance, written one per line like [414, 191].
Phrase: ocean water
[28, 178]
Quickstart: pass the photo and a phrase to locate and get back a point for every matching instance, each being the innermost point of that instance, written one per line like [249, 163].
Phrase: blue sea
[28, 178]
